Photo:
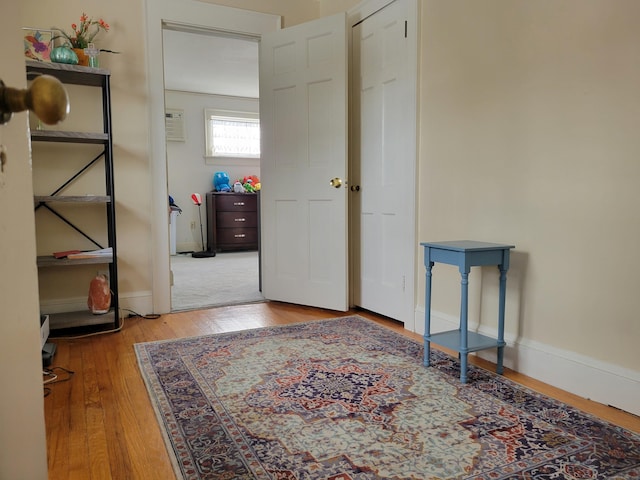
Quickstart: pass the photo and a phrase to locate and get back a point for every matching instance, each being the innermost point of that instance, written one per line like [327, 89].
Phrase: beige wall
[292, 11]
[130, 123]
[529, 121]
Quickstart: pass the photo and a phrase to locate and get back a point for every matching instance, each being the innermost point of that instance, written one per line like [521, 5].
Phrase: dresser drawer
[232, 203]
[237, 219]
[237, 237]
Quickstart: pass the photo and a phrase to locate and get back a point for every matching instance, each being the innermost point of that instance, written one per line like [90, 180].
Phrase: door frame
[188, 13]
[354, 16]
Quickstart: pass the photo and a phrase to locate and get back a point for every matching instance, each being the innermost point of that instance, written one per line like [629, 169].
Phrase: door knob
[335, 182]
[355, 188]
[46, 97]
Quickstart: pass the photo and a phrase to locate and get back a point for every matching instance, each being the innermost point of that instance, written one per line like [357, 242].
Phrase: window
[232, 134]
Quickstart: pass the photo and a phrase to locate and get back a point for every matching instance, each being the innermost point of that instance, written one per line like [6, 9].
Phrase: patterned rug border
[475, 374]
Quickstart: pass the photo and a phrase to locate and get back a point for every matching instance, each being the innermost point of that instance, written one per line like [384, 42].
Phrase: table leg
[464, 314]
[427, 314]
[501, 304]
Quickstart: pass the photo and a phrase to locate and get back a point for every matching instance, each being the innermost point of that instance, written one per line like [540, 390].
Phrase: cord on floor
[50, 377]
[149, 316]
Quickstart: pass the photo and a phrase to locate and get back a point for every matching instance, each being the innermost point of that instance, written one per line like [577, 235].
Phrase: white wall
[187, 170]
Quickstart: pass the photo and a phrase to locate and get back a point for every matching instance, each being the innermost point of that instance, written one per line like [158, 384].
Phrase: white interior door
[22, 435]
[384, 159]
[303, 116]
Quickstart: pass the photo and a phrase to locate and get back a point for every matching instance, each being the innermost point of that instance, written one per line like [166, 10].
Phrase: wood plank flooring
[101, 424]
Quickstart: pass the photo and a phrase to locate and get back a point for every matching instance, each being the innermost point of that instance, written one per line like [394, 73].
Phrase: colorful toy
[221, 182]
[251, 183]
[253, 179]
[238, 188]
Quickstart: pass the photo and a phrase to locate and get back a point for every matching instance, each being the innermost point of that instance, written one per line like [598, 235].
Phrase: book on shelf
[65, 253]
[78, 254]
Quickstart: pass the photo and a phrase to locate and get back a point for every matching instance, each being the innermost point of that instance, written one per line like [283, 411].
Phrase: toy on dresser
[251, 184]
[221, 182]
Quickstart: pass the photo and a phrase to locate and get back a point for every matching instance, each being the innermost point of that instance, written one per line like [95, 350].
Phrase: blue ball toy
[221, 182]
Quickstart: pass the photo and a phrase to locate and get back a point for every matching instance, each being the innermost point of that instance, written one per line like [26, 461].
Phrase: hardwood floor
[101, 425]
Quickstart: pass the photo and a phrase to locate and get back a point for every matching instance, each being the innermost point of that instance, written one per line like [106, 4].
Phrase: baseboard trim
[584, 376]
[139, 302]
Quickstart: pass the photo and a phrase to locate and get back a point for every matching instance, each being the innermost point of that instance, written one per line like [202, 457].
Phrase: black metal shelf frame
[77, 75]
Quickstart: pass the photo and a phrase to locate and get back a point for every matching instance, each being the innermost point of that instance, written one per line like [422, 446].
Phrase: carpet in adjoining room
[229, 278]
[347, 399]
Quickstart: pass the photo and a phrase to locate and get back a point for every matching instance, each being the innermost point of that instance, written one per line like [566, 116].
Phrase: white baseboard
[189, 247]
[74, 304]
[575, 373]
[139, 302]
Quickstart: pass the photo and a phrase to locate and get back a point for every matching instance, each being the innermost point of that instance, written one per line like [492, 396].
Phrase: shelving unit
[92, 77]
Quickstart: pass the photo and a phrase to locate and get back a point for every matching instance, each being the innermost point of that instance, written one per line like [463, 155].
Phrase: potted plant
[82, 35]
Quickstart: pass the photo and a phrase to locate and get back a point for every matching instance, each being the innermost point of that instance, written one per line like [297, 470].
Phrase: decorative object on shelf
[37, 44]
[99, 299]
[83, 58]
[64, 54]
[81, 40]
[83, 34]
[92, 52]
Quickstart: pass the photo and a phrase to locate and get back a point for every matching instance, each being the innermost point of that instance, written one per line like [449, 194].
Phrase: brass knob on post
[46, 97]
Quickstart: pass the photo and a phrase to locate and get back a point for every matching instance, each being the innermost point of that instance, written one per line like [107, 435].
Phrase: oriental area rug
[347, 399]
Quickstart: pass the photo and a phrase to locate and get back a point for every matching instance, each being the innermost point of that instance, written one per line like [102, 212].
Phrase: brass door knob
[46, 97]
[335, 182]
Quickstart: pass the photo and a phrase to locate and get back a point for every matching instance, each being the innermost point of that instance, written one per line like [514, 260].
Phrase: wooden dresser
[232, 221]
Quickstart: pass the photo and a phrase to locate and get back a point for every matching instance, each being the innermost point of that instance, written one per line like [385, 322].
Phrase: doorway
[204, 70]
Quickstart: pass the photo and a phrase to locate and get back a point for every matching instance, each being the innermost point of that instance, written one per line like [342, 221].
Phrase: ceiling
[206, 62]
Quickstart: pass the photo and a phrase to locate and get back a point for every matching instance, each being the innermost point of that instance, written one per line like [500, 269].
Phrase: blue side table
[465, 254]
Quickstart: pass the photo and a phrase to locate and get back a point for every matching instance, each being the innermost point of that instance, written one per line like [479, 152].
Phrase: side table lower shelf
[452, 341]
[61, 321]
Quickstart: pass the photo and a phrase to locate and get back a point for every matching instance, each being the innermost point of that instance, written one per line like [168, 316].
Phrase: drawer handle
[238, 204]
[240, 235]
[239, 219]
